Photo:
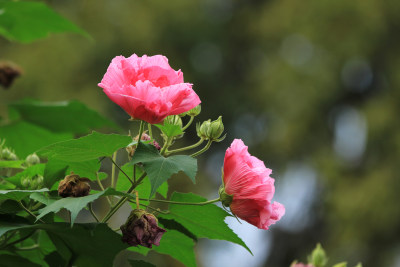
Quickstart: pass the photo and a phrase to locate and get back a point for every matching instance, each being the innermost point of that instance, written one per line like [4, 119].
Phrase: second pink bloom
[248, 181]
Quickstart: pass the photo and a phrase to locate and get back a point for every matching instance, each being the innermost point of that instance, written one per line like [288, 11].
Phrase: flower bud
[7, 154]
[26, 181]
[318, 257]
[341, 264]
[38, 182]
[32, 159]
[211, 130]
[145, 137]
[174, 120]
[141, 228]
[194, 111]
[74, 186]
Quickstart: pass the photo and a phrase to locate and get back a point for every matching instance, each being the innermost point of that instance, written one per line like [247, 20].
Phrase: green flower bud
[318, 257]
[8, 154]
[341, 264]
[32, 159]
[203, 129]
[39, 182]
[26, 181]
[216, 129]
[174, 120]
[194, 111]
[211, 130]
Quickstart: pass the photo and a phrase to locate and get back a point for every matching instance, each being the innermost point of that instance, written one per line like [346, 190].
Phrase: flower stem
[102, 187]
[29, 212]
[141, 130]
[122, 200]
[165, 146]
[188, 124]
[113, 159]
[204, 149]
[150, 131]
[186, 148]
[183, 203]
[119, 168]
[92, 212]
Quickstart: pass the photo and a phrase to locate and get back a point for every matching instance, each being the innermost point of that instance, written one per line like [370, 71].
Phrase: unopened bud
[211, 130]
[142, 229]
[194, 111]
[32, 159]
[39, 182]
[174, 120]
[26, 182]
[318, 257]
[74, 186]
[8, 154]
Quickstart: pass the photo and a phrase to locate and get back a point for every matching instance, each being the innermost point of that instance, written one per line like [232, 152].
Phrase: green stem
[204, 149]
[119, 168]
[29, 212]
[141, 130]
[19, 240]
[102, 187]
[147, 206]
[186, 148]
[122, 200]
[92, 212]
[188, 124]
[150, 131]
[113, 159]
[165, 146]
[183, 203]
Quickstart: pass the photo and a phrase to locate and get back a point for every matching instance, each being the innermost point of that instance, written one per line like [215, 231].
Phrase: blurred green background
[311, 86]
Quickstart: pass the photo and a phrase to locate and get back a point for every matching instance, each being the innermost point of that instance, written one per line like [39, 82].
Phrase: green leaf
[140, 263]
[42, 198]
[60, 116]
[170, 130]
[87, 244]
[31, 171]
[89, 147]
[11, 164]
[27, 21]
[205, 221]
[19, 195]
[12, 261]
[159, 169]
[76, 204]
[175, 244]
[25, 138]
[144, 189]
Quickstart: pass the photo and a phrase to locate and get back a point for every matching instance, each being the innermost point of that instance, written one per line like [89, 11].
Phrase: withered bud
[8, 73]
[145, 137]
[74, 186]
[142, 229]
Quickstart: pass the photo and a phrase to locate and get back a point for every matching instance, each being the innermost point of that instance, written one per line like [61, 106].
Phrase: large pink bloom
[147, 88]
[248, 180]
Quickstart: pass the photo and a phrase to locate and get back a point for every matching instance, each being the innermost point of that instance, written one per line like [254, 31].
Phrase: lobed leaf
[60, 117]
[207, 221]
[25, 138]
[76, 204]
[159, 169]
[27, 21]
[86, 148]
[170, 130]
[19, 195]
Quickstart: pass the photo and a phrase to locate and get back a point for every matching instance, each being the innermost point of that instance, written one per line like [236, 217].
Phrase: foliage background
[312, 87]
